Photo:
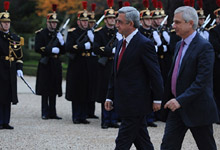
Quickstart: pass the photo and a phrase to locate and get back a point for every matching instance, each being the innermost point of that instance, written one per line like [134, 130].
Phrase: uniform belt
[161, 56]
[109, 58]
[7, 58]
[54, 56]
[86, 54]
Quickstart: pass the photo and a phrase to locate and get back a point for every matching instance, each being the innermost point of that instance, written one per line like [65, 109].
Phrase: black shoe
[45, 117]
[76, 121]
[1, 127]
[93, 117]
[84, 121]
[7, 126]
[114, 125]
[55, 117]
[105, 126]
[151, 124]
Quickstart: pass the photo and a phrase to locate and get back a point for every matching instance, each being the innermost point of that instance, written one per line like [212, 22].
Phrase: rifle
[162, 23]
[53, 42]
[111, 44]
[160, 27]
[202, 28]
[213, 22]
[83, 37]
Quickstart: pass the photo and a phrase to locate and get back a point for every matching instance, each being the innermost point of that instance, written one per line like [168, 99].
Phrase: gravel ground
[33, 133]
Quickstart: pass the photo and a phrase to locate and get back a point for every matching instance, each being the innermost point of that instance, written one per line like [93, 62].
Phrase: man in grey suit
[137, 86]
[189, 93]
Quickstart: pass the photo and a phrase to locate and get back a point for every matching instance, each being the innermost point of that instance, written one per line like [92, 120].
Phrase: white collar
[130, 36]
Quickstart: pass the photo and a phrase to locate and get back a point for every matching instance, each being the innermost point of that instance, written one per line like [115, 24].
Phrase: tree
[67, 6]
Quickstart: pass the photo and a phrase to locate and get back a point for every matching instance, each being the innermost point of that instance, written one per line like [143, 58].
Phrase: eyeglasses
[117, 21]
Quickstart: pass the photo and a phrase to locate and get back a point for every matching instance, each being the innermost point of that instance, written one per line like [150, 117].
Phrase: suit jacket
[138, 80]
[194, 87]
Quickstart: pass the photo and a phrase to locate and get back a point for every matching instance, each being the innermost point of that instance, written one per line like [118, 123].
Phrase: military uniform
[202, 31]
[92, 67]
[49, 72]
[215, 41]
[10, 61]
[163, 52]
[105, 40]
[77, 79]
[147, 32]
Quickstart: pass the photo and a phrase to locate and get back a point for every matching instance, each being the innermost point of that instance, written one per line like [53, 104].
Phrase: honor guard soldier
[147, 30]
[79, 47]
[162, 39]
[202, 30]
[104, 46]
[217, 12]
[92, 66]
[214, 38]
[50, 44]
[146, 21]
[10, 64]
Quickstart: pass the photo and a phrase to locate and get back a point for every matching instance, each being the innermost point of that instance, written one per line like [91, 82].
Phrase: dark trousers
[48, 106]
[79, 110]
[5, 113]
[109, 116]
[91, 108]
[133, 130]
[150, 118]
[175, 131]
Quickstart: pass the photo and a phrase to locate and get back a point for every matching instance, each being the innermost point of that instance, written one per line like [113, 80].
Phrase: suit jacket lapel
[130, 47]
[187, 54]
[174, 58]
[117, 54]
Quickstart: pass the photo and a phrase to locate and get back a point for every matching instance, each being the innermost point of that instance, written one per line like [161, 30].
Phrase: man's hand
[60, 38]
[108, 105]
[90, 35]
[87, 45]
[55, 50]
[172, 104]
[157, 38]
[119, 36]
[20, 73]
[156, 106]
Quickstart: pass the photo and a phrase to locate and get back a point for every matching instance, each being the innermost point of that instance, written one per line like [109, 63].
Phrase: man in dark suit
[189, 93]
[136, 80]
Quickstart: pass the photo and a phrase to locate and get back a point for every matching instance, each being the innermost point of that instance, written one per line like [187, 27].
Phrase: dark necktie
[121, 54]
[175, 70]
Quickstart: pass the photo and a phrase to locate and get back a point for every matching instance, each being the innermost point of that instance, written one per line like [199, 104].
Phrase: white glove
[90, 35]
[113, 50]
[166, 36]
[87, 46]
[60, 38]
[157, 38]
[204, 34]
[93, 54]
[55, 50]
[20, 73]
[164, 48]
[156, 49]
[119, 36]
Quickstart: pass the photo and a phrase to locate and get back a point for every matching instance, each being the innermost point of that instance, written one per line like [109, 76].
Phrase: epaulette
[71, 30]
[96, 30]
[212, 27]
[38, 30]
[173, 30]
